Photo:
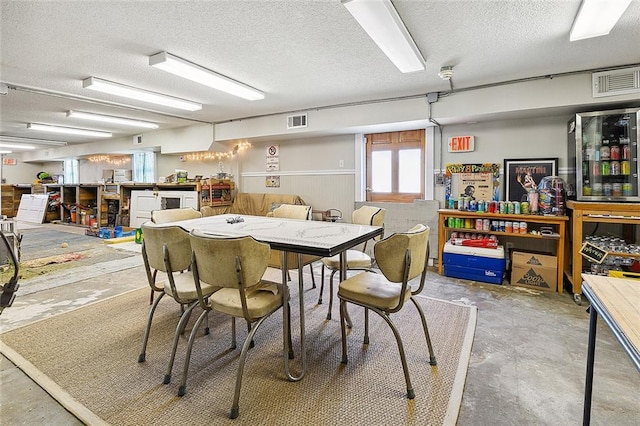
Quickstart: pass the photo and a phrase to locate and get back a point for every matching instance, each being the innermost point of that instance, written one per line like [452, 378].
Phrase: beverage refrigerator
[603, 147]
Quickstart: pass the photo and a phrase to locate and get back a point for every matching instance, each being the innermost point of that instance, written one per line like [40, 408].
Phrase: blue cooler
[474, 263]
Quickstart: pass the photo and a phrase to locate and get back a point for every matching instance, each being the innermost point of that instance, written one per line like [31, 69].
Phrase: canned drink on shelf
[616, 189]
[509, 207]
[597, 189]
[523, 227]
[615, 152]
[508, 226]
[524, 207]
[516, 207]
[451, 223]
[459, 222]
[468, 223]
[501, 228]
[503, 207]
[516, 227]
[626, 152]
[607, 189]
[627, 189]
[479, 224]
[495, 225]
[614, 168]
[604, 168]
[625, 167]
[486, 225]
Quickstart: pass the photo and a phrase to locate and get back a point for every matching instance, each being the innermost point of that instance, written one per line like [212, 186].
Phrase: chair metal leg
[333, 272]
[145, 339]
[235, 408]
[182, 390]
[176, 337]
[432, 356]
[321, 285]
[410, 392]
[233, 333]
[343, 331]
[313, 277]
[366, 326]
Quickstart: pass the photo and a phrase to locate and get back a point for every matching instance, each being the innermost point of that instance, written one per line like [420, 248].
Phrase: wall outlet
[440, 179]
[341, 164]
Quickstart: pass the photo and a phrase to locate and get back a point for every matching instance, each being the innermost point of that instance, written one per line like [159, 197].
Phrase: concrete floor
[527, 364]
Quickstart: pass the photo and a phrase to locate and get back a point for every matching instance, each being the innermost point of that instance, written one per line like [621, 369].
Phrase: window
[144, 166]
[395, 166]
[71, 173]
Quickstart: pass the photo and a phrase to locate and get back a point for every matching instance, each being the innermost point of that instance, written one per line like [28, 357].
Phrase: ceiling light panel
[16, 146]
[385, 27]
[20, 141]
[130, 92]
[111, 119]
[597, 18]
[68, 130]
[183, 68]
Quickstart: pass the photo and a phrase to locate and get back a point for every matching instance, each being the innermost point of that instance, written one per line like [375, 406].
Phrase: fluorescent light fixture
[117, 89]
[68, 130]
[183, 68]
[111, 119]
[383, 24]
[596, 18]
[2, 151]
[16, 146]
[19, 141]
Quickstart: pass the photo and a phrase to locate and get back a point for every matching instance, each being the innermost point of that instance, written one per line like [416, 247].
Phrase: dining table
[316, 238]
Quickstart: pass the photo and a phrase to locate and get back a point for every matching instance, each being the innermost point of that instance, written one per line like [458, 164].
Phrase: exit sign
[461, 144]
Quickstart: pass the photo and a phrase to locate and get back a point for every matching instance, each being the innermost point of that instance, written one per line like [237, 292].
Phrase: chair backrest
[390, 253]
[292, 211]
[215, 259]
[176, 241]
[368, 215]
[174, 215]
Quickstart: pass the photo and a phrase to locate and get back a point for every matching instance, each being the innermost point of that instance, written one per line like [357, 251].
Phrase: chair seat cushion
[355, 259]
[186, 288]
[369, 288]
[260, 301]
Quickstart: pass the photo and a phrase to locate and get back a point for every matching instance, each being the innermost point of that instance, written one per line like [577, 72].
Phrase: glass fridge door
[607, 158]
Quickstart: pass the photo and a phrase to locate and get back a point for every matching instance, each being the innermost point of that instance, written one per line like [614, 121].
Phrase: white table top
[300, 236]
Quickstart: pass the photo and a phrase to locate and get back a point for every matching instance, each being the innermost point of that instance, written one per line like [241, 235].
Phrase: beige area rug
[87, 359]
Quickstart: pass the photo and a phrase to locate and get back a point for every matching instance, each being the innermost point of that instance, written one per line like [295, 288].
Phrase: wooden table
[617, 301]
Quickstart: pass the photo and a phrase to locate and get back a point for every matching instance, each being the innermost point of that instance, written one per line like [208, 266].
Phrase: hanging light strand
[109, 159]
[217, 156]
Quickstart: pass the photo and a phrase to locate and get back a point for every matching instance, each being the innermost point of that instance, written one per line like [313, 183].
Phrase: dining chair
[238, 265]
[293, 211]
[171, 215]
[357, 259]
[174, 215]
[166, 252]
[401, 258]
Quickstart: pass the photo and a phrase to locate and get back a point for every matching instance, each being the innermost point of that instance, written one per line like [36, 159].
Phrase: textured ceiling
[302, 54]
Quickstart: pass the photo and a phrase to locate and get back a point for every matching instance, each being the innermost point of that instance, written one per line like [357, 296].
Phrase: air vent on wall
[296, 121]
[617, 82]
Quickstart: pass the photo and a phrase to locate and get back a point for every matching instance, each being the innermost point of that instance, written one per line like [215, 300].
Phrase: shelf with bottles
[216, 192]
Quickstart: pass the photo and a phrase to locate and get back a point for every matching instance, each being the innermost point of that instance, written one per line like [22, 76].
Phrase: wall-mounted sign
[273, 158]
[273, 182]
[461, 144]
[9, 161]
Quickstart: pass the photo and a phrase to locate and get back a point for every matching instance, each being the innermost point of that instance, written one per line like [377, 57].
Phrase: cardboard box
[534, 270]
[474, 263]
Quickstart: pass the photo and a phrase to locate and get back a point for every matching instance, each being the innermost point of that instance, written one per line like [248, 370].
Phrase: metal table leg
[287, 317]
[591, 350]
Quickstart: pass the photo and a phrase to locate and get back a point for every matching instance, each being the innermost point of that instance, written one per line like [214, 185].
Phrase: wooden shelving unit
[216, 192]
[558, 223]
[626, 214]
[11, 196]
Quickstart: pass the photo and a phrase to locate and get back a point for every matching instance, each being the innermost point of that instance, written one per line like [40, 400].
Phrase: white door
[32, 208]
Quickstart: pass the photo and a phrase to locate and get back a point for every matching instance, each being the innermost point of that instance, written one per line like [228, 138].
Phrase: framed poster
[522, 176]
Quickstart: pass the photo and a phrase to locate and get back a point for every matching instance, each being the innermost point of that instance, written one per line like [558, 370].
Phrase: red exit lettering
[461, 144]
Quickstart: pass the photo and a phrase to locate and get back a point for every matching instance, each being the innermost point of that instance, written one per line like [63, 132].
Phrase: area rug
[87, 360]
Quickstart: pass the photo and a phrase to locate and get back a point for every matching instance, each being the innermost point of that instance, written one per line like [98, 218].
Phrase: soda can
[614, 168]
[501, 226]
[523, 227]
[479, 224]
[615, 152]
[508, 226]
[607, 189]
[625, 167]
[460, 203]
[524, 207]
[459, 222]
[451, 223]
[616, 189]
[451, 203]
[604, 168]
[516, 207]
[503, 207]
[509, 207]
[627, 189]
[486, 225]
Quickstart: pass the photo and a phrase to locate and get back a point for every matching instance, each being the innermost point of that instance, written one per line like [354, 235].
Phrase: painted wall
[26, 172]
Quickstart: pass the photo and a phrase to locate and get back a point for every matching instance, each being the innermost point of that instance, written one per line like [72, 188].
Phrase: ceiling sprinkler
[446, 73]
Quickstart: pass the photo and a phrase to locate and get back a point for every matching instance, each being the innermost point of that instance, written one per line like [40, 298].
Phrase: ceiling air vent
[296, 121]
[617, 82]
